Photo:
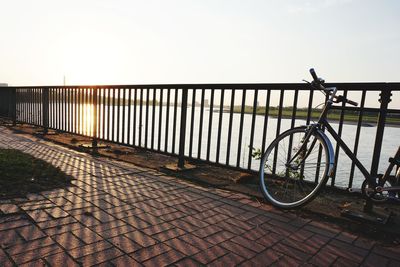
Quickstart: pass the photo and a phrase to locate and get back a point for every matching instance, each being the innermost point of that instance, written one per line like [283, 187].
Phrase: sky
[202, 41]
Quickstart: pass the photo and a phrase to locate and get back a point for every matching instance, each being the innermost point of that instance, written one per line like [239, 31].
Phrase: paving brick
[125, 244]
[229, 259]
[89, 249]
[13, 224]
[9, 238]
[30, 232]
[151, 219]
[109, 225]
[136, 222]
[292, 252]
[57, 213]
[100, 257]
[392, 252]
[219, 237]
[350, 248]
[141, 238]
[169, 234]
[305, 247]
[187, 262]
[36, 254]
[343, 262]
[152, 230]
[196, 241]
[9, 208]
[173, 216]
[56, 222]
[150, 252]
[61, 259]
[39, 216]
[248, 244]
[216, 219]
[30, 245]
[164, 259]
[346, 237]
[373, 260]
[207, 231]
[323, 258]
[285, 261]
[116, 231]
[188, 227]
[125, 260]
[87, 235]
[63, 229]
[265, 258]
[208, 255]
[34, 263]
[182, 246]
[87, 219]
[5, 261]
[68, 241]
[238, 249]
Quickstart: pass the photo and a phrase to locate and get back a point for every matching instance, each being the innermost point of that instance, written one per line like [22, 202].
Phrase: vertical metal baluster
[242, 111]
[85, 126]
[134, 118]
[203, 92]
[65, 110]
[221, 112]
[59, 97]
[160, 119]
[278, 128]
[229, 141]
[113, 117]
[129, 116]
[75, 109]
[140, 117]
[175, 115]
[337, 144]
[103, 130]
[118, 114]
[147, 117]
[153, 118]
[253, 124]
[108, 113]
[167, 119]
[210, 119]
[192, 123]
[266, 115]
[292, 123]
[123, 115]
[357, 138]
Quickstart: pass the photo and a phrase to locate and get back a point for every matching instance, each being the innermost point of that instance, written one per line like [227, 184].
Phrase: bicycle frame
[323, 123]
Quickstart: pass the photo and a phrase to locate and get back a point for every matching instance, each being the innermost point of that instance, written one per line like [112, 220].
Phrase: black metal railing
[214, 123]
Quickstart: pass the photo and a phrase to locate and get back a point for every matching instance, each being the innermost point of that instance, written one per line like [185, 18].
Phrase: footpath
[119, 214]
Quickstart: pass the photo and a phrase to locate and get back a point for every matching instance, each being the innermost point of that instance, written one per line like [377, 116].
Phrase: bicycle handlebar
[317, 82]
[314, 75]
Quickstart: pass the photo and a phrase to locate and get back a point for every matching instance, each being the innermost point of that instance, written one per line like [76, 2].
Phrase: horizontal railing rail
[215, 123]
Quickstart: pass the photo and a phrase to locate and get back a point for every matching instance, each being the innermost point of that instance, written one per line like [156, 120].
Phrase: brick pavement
[117, 214]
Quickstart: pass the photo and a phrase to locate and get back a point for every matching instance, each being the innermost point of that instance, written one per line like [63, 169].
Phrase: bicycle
[298, 163]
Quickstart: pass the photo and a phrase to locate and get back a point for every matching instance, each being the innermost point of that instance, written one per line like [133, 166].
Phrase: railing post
[182, 134]
[384, 100]
[14, 106]
[94, 114]
[45, 110]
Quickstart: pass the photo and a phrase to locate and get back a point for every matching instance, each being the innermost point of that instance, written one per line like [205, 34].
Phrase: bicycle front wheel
[294, 168]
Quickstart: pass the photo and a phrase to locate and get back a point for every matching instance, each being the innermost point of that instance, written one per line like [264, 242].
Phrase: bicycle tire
[282, 183]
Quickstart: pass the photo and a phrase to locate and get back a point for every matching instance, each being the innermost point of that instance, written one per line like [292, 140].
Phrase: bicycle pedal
[354, 190]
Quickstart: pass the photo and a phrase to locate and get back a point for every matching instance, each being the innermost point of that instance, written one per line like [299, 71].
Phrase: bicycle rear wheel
[294, 168]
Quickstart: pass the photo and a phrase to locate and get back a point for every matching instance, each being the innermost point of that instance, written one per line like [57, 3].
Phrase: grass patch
[21, 173]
